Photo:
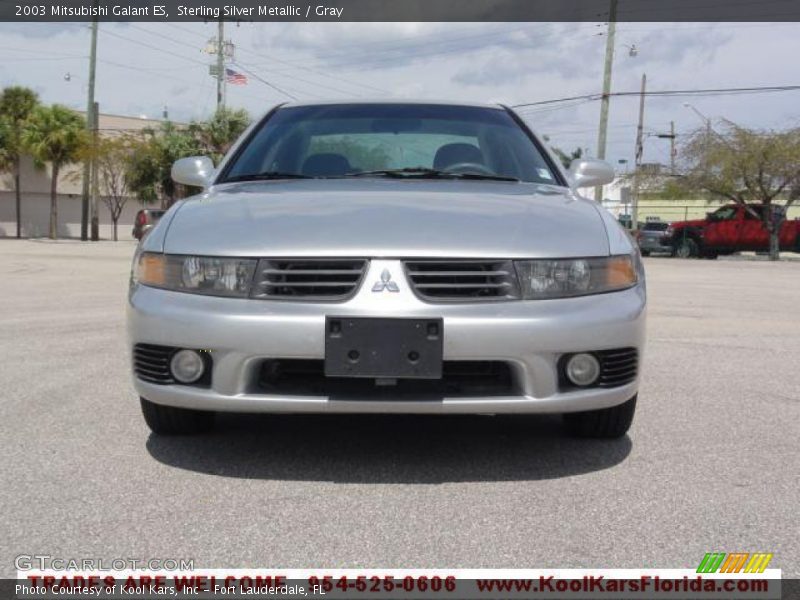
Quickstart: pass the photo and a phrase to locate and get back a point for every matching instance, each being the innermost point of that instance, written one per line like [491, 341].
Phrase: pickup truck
[731, 228]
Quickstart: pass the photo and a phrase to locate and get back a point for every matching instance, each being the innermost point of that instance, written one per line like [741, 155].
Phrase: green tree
[114, 157]
[745, 166]
[566, 159]
[151, 164]
[217, 135]
[54, 135]
[6, 161]
[16, 105]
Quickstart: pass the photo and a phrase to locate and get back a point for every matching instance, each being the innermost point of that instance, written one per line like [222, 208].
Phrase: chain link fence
[679, 210]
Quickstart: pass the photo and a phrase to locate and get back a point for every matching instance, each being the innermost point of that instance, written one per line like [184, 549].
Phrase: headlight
[196, 274]
[563, 278]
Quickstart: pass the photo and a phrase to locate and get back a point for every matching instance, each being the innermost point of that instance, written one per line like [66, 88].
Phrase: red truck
[732, 228]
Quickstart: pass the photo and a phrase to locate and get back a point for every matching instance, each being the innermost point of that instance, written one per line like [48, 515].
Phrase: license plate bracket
[383, 347]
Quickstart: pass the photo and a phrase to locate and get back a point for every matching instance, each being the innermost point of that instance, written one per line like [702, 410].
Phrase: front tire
[170, 420]
[687, 248]
[612, 422]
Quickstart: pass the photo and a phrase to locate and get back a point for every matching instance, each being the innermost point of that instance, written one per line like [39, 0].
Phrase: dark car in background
[145, 220]
[649, 236]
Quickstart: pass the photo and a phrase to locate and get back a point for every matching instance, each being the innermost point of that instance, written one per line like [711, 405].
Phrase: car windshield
[657, 226]
[400, 140]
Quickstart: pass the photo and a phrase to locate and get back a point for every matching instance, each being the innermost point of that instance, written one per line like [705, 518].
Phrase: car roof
[393, 101]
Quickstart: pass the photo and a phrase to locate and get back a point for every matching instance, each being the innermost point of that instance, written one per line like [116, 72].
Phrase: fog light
[583, 369]
[187, 366]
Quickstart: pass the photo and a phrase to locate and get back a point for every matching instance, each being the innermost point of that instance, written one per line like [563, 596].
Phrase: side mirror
[197, 171]
[588, 172]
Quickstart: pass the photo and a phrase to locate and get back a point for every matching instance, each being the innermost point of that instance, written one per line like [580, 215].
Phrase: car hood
[387, 218]
[693, 223]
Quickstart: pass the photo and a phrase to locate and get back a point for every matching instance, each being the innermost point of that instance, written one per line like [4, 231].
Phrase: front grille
[308, 278]
[460, 379]
[462, 280]
[617, 367]
[151, 363]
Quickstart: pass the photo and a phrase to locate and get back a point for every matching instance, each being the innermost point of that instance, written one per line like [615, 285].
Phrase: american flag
[234, 77]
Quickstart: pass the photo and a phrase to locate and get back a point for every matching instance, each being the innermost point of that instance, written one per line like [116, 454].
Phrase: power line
[156, 72]
[165, 37]
[156, 48]
[294, 66]
[244, 49]
[288, 63]
[666, 93]
[374, 59]
[264, 81]
[199, 62]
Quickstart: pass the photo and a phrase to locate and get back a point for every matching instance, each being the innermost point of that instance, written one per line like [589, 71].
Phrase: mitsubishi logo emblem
[385, 283]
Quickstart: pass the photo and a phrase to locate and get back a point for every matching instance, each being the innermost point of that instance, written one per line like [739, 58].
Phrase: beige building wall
[678, 210]
[35, 185]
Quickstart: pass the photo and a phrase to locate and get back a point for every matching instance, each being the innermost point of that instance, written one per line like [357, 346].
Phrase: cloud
[144, 66]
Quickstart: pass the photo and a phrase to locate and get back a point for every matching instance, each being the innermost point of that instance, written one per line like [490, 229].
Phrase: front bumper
[653, 245]
[530, 336]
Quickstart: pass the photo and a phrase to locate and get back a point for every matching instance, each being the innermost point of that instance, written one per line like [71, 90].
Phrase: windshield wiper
[485, 176]
[426, 173]
[409, 171]
[265, 176]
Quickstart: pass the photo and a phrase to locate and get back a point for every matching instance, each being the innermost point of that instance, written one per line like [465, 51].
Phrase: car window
[656, 226]
[370, 151]
[750, 216]
[725, 213]
[343, 140]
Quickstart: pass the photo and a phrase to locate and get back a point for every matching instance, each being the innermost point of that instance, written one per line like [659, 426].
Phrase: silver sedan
[388, 258]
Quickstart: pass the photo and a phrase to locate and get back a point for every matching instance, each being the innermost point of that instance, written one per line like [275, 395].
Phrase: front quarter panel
[154, 241]
[619, 242]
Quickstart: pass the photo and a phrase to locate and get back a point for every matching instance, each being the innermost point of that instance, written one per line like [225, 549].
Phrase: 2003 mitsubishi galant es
[388, 258]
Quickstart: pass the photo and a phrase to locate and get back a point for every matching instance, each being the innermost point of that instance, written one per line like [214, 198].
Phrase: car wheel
[611, 422]
[686, 248]
[170, 420]
[645, 252]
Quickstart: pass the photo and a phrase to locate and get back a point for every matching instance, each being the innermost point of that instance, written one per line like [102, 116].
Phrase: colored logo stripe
[758, 563]
[734, 562]
[711, 562]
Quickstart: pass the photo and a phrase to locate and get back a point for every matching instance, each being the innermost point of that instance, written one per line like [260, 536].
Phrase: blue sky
[146, 66]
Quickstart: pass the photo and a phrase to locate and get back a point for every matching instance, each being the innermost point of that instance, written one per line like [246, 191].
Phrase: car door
[753, 234]
[722, 228]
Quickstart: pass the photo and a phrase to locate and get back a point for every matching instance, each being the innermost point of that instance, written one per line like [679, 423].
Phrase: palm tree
[218, 134]
[16, 105]
[56, 135]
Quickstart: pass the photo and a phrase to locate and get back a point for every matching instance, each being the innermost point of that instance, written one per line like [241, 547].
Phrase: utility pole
[672, 153]
[638, 163]
[89, 125]
[605, 100]
[671, 137]
[221, 65]
[95, 178]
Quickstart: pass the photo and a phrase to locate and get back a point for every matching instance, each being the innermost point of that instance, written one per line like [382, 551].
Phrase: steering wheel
[469, 167]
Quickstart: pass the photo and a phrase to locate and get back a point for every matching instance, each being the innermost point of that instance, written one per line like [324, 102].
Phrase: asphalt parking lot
[711, 463]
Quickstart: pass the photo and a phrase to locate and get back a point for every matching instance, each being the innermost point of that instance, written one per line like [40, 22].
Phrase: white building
[35, 185]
